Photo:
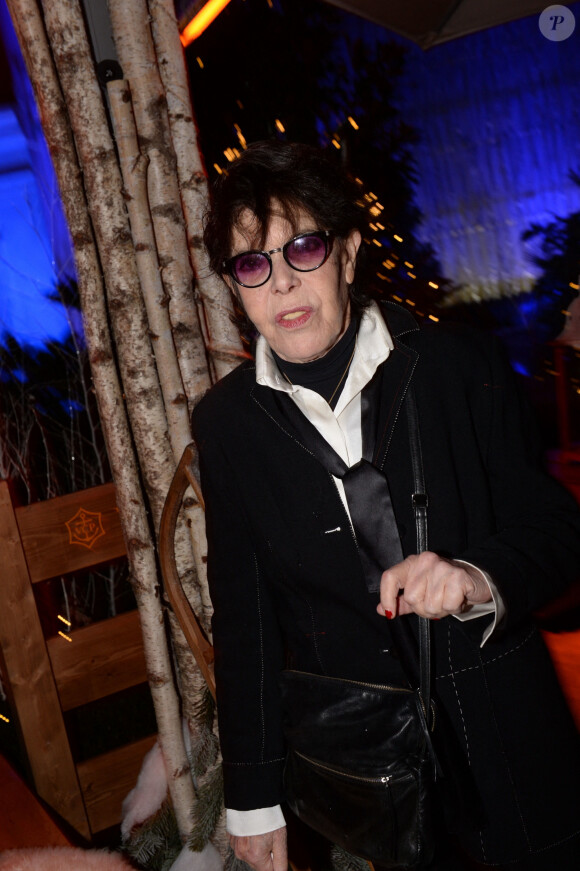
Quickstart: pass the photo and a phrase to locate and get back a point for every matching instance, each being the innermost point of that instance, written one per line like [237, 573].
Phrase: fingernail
[388, 614]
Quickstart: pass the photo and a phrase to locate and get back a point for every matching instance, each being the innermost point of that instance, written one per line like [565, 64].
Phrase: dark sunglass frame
[327, 236]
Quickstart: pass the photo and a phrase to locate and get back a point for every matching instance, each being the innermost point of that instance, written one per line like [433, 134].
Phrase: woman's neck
[327, 374]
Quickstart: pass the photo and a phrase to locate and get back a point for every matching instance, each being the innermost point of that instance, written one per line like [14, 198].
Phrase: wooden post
[25, 659]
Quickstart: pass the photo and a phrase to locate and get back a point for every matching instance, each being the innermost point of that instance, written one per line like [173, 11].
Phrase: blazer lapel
[286, 414]
[391, 389]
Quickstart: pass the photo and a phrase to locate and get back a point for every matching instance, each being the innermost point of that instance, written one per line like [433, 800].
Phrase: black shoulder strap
[420, 501]
[401, 631]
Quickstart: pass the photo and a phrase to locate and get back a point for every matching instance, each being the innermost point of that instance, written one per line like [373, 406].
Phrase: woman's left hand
[427, 585]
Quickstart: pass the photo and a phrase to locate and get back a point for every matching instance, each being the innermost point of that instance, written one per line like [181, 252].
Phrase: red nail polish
[388, 614]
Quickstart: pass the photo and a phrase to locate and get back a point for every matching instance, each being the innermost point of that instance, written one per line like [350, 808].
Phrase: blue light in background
[35, 247]
[27, 273]
[499, 116]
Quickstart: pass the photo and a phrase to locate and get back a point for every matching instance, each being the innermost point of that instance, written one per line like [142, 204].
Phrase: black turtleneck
[324, 374]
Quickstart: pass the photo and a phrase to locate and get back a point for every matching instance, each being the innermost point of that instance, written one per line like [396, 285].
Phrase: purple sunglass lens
[251, 268]
[307, 252]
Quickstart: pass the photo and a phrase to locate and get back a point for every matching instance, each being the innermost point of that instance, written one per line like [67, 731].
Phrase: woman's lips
[293, 318]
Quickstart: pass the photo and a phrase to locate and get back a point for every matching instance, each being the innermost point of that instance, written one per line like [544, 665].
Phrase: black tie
[365, 485]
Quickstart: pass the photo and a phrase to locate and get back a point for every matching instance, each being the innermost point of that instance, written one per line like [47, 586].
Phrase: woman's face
[300, 314]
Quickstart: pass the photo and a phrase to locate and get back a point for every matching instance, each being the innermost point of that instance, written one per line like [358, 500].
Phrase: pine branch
[207, 810]
[204, 710]
[155, 845]
[204, 751]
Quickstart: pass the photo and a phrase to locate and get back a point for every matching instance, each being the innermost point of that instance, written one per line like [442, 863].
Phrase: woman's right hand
[262, 852]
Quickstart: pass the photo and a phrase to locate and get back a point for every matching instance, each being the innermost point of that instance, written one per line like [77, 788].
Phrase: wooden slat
[93, 534]
[107, 779]
[101, 659]
[31, 685]
[24, 821]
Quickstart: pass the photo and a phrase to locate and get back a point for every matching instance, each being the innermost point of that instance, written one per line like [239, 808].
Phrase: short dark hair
[297, 177]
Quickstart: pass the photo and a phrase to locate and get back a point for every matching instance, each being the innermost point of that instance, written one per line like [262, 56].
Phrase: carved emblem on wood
[85, 528]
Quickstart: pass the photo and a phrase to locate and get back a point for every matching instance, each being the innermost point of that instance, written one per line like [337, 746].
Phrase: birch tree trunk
[222, 337]
[139, 62]
[137, 57]
[132, 36]
[65, 27]
[134, 170]
[134, 166]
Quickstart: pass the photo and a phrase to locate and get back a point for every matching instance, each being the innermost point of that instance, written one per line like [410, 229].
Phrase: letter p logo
[557, 23]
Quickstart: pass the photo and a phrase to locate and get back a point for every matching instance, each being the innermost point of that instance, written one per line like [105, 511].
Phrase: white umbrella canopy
[431, 22]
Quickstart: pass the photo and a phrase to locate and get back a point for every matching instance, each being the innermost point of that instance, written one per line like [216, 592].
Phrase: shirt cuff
[496, 607]
[255, 822]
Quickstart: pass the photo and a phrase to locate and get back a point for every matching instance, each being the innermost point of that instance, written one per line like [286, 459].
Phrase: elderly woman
[289, 582]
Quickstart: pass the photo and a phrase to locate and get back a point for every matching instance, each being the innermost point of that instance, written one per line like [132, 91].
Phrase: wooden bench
[47, 678]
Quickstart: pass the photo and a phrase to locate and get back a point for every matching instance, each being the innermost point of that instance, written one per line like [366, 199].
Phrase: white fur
[208, 860]
[152, 786]
[148, 794]
[145, 800]
[62, 859]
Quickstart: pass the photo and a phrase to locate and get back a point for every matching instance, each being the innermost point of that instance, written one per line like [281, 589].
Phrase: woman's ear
[350, 249]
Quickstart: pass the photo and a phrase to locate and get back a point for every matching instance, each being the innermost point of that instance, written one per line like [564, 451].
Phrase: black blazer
[287, 585]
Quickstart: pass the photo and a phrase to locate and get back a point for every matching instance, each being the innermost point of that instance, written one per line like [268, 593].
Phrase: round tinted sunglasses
[305, 252]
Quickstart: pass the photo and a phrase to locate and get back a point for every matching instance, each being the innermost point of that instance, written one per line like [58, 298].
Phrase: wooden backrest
[49, 677]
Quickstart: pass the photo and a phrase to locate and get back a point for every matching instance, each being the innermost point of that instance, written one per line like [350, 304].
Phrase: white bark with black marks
[222, 337]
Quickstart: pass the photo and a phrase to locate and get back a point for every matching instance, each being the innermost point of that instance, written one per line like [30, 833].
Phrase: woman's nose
[284, 277]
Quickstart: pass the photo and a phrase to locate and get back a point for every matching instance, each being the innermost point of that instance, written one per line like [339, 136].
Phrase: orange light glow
[203, 19]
